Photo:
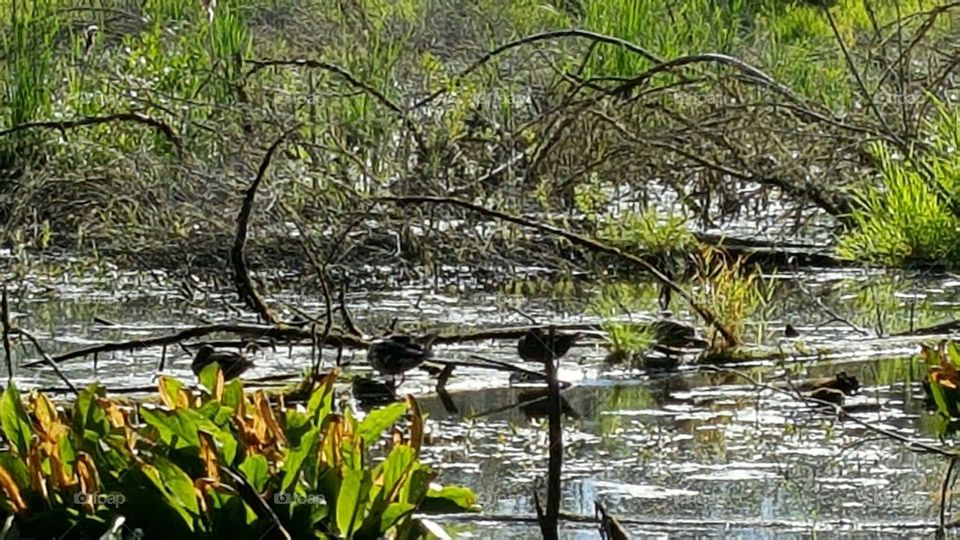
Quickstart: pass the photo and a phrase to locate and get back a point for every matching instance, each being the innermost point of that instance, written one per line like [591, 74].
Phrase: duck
[674, 334]
[232, 363]
[398, 353]
[371, 392]
[534, 346]
[841, 382]
[828, 395]
[831, 390]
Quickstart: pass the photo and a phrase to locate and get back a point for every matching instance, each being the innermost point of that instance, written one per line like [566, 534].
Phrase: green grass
[907, 215]
[122, 185]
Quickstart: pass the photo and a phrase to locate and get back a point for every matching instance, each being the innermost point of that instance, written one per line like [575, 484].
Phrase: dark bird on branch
[232, 363]
[538, 346]
[675, 334]
[398, 353]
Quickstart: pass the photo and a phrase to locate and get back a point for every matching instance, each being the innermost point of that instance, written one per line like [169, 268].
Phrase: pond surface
[690, 453]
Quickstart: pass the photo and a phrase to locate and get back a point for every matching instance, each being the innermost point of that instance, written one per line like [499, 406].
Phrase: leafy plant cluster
[221, 463]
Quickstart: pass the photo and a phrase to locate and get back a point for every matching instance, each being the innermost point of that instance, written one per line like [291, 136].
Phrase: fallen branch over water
[281, 333]
[582, 241]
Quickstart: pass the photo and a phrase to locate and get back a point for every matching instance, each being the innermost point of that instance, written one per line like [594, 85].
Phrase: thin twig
[345, 313]
[916, 446]
[136, 117]
[48, 360]
[256, 502]
[944, 488]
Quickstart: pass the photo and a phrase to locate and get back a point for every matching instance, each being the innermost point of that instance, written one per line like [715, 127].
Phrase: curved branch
[134, 117]
[241, 276]
[545, 36]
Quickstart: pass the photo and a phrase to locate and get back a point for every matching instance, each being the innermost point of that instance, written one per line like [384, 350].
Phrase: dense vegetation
[838, 119]
[223, 464]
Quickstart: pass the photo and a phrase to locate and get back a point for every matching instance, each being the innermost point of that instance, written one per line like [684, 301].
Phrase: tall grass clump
[649, 233]
[230, 43]
[28, 60]
[910, 216]
[666, 29]
[614, 303]
[734, 293]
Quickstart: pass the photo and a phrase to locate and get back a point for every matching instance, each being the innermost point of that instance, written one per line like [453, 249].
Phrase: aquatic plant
[216, 464]
[647, 233]
[625, 339]
[943, 382]
[733, 292]
[909, 214]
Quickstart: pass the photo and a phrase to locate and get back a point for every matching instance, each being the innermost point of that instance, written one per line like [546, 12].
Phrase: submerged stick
[549, 525]
[48, 360]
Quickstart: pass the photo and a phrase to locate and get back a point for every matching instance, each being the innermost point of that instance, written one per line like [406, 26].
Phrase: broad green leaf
[233, 394]
[217, 413]
[953, 352]
[449, 499]
[395, 468]
[351, 503]
[379, 420]
[416, 487]
[88, 418]
[16, 467]
[209, 378]
[159, 481]
[16, 423]
[295, 424]
[179, 428]
[387, 489]
[395, 513]
[295, 458]
[256, 470]
[321, 401]
[178, 484]
[170, 391]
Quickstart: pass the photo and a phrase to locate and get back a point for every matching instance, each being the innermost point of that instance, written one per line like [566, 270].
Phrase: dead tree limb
[279, 332]
[241, 275]
[135, 117]
[353, 81]
[582, 241]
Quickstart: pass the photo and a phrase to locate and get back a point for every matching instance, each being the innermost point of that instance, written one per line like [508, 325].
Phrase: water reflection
[689, 453]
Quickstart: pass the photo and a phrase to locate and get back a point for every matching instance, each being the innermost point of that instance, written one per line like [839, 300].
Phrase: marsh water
[693, 452]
